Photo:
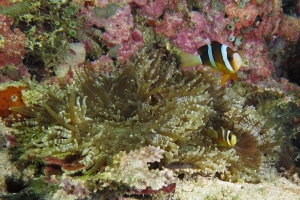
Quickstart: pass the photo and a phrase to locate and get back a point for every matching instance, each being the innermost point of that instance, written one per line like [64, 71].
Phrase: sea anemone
[151, 103]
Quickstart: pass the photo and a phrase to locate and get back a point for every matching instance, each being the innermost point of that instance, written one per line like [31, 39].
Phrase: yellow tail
[188, 60]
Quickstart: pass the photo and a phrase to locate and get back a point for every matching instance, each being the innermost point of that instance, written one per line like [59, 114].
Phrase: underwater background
[97, 100]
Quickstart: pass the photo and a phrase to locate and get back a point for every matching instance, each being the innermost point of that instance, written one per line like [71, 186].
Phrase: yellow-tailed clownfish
[218, 56]
[223, 137]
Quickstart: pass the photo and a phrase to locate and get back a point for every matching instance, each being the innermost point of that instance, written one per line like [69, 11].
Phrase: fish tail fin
[188, 60]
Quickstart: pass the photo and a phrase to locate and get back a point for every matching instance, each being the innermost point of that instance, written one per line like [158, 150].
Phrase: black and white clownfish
[223, 137]
[218, 56]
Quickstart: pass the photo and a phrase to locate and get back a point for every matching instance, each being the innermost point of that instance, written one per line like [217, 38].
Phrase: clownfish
[218, 56]
[223, 137]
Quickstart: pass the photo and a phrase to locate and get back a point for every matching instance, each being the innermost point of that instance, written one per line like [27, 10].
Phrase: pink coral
[257, 19]
[88, 45]
[138, 2]
[130, 47]
[271, 20]
[119, 30]
[104, 65]
[155, 8]
[202, 32]
[102, 3]
[11, 72]
[12, 43]
[289, 28]
[75, 187]
[246, 15]
[189, 39]
[254, 22]
[170, 24]
[190, 29]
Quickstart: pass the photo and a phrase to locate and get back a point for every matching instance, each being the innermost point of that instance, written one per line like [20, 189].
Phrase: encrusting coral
[149, 112]
[136, 161]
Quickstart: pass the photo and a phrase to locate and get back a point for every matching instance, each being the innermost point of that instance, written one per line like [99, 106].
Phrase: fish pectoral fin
[234, 77]
[225, 77]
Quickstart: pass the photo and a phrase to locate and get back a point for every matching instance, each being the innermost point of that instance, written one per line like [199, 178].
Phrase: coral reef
[106, 96]
[76, 187]
[119, 29]
[132, 170]
[240, 25]
[120, 33]
[47, 27]
[12, 43]
[85, 128]
[281, 110]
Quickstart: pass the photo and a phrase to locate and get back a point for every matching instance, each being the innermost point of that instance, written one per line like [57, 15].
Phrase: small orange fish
[223, 137]
[218, 56]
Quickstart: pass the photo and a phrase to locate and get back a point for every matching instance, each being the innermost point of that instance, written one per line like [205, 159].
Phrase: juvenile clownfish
[223, 138]
[218, 56]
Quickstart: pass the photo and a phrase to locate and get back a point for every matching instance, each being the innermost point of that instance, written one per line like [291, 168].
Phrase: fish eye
[229, 137]
[229, 58]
